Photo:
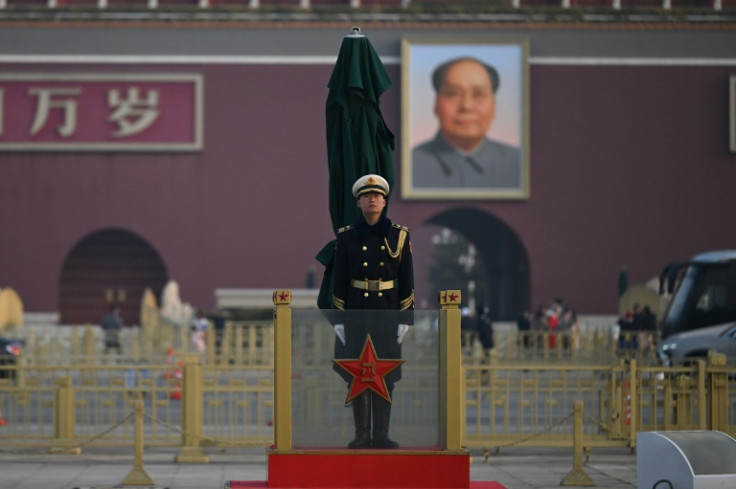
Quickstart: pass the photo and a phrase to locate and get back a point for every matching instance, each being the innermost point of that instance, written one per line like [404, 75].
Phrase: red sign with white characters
[101, 112]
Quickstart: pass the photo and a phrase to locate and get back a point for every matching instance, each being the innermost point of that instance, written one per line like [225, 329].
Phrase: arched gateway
[108, 266]
[506, 290]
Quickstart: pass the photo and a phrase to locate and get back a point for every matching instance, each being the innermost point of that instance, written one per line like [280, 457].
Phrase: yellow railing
[238, 343]
[252, 343]
[503, 405]
[532, 404]
[90, 405]
[594, 345]
[524, 396]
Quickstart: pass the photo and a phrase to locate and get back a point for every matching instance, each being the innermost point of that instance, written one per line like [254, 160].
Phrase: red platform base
[367, 469]
[264, 485]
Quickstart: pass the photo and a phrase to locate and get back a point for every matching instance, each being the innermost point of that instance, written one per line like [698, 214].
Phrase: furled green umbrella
[358, 140]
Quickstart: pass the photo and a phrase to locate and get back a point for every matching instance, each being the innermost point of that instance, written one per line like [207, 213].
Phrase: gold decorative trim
[373, 285]
[407, 303]
[399, 245]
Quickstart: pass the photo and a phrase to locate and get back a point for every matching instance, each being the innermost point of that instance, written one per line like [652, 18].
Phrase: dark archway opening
[106, 267]
[505, 289]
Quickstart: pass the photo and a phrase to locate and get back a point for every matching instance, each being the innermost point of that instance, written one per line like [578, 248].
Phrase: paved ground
[514, 468]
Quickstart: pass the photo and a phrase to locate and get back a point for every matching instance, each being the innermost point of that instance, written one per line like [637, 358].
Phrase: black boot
[362, 418]
[381, 418]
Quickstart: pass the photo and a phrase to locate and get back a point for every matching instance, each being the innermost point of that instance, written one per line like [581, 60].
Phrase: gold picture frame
[493, 163]
[732, 113]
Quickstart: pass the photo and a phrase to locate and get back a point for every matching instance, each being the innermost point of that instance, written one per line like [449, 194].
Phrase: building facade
[628, 146]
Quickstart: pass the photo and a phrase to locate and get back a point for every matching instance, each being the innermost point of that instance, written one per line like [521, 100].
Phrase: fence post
[450, 370]
[138, 475]
[209, 344]
[667, 404]
[90, 344]
[702, 396]
[192, 412]
[226, 338]
[718, 392]
[20, 371]
[282, 369]
[617, 400]
[64, 418]
[239, 359]
[682, 403]
[634, 403]
[545, 345]
[577, 476]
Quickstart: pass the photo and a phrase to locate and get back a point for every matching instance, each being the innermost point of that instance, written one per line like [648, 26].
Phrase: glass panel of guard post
[321, 418]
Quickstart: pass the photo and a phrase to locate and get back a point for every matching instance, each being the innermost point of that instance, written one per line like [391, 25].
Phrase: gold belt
[372, 285]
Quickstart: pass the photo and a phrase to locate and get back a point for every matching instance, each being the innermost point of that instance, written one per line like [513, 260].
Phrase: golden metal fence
[87, 400]
[90, 405]
[598, 345]
[532, 404]
[237, 343]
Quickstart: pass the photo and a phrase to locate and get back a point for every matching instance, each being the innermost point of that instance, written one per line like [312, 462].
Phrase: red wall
[629, 167]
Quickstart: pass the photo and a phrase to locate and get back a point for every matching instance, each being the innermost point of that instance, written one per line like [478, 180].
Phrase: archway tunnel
[501, 262]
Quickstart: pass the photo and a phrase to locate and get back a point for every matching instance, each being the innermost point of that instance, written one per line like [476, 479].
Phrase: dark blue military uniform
[373, 253]
[374, 270]
[373, 273]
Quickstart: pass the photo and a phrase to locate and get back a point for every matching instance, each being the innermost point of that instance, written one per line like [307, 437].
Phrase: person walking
[111, 325]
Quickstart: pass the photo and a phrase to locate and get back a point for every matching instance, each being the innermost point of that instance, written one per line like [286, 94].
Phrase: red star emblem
[368, 372]
[448, 298]
[283, 296]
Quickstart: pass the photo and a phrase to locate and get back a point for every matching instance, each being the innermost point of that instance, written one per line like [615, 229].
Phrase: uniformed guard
[373, 270]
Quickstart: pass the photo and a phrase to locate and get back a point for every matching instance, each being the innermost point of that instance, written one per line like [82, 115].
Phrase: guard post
[441, 463]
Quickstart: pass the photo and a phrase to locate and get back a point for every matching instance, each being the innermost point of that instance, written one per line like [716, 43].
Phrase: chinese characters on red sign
[101, 112]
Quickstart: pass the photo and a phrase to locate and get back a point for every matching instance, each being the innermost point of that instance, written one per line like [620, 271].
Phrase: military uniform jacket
[379, 252]
[363, 253]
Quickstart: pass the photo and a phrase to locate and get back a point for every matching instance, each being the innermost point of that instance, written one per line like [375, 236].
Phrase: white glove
[401, 331]
[340, 332]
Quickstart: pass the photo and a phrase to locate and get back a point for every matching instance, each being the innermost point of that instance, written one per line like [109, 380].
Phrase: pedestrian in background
[111, 325]
[198, 337]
